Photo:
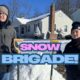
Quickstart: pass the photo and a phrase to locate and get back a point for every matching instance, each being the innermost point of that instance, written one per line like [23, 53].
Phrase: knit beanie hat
[4, 9]
[75, 25]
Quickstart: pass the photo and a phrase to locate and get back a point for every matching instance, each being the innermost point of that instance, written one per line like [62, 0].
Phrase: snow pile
[33, 72]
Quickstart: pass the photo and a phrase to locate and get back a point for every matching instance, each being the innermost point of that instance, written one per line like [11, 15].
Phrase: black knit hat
[75, 25]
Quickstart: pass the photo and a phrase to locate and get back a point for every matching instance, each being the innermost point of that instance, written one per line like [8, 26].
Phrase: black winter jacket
[73, 46]
[73, 71]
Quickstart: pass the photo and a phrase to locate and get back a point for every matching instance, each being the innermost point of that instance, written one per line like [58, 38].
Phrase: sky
[30, 7]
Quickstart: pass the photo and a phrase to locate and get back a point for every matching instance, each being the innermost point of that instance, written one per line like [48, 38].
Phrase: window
[17, 29]
[28, 28]
[55, 27]
[38, 24]
[65, 28]
[22, 30]
[35, 25]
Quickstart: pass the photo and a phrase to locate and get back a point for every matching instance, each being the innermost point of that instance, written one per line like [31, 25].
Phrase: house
[62, 25]
[76, 15]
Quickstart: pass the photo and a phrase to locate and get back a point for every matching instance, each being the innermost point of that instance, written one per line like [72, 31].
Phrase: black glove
[5, 49]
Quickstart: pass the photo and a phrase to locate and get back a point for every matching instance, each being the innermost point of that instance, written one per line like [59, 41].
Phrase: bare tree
[58, 4]
[37, 13]
[27, 8]
[64, 5]
[14, 8]
[78, 4]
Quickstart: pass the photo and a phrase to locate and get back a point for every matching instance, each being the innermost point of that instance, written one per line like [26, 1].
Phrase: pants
[72, 72]
[4, 69]
[1, 75]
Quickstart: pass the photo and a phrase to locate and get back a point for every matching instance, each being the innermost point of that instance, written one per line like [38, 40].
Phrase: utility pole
[52, 22]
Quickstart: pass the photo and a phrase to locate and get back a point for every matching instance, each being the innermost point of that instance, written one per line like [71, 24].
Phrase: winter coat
[73, 71]
[7, 36]
[73, 47]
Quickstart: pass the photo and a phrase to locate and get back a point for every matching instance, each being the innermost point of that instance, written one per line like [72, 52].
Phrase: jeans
[1, 75]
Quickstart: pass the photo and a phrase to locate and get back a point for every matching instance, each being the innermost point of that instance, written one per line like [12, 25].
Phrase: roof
[76, 15]
[76, 12]
[24, 21]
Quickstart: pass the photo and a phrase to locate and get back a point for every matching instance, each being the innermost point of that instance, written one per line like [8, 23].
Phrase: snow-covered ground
[33, 72]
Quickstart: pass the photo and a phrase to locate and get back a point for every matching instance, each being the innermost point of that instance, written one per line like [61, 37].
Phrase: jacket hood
[4, 9]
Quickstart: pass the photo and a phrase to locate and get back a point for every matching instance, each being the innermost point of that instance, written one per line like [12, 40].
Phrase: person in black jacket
[73, 71]
[7, 35]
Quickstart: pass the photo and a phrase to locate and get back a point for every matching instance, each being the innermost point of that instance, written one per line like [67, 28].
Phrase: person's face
[75, 33]
[3, 17]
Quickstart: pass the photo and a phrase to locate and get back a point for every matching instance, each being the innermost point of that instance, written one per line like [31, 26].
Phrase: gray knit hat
[4, 9]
